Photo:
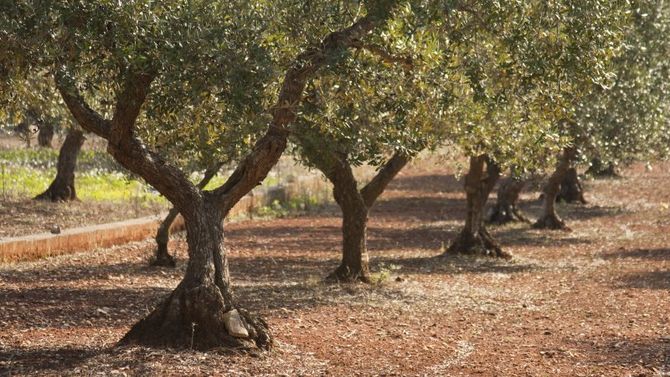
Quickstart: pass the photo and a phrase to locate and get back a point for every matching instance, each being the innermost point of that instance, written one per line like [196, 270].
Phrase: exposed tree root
[58, 192]
[345, 274]
[550, 222]
[162, 258]
[480, 244]
[193, 318]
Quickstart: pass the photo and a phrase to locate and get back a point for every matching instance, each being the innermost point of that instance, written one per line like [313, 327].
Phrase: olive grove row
[530, 86]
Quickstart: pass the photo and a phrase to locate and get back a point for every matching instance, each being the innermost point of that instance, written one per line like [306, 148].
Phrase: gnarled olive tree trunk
[202, 312]
[505, 209]
[571, 190]
[549, 218]
[355, 205]
[162, 256]
[474, 239]
[62, 188]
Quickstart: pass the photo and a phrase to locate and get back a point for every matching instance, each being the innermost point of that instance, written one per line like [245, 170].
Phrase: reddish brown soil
[591, 302]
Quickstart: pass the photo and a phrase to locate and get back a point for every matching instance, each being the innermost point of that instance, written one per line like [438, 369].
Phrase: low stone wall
[43, 245]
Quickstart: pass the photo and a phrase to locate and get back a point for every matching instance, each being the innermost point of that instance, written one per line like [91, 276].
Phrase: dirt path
[592, 302]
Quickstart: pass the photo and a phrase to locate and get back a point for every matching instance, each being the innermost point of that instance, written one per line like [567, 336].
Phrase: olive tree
[624, 118]
[366, 110]
[121, 67]
[508, 68]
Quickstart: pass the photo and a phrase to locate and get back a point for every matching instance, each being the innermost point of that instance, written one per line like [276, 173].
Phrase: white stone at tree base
[234, 324]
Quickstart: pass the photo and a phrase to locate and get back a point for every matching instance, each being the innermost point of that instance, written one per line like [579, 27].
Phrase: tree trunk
[474, 239]
[355, 205]
[598, 169]
[355, 259]
[45, 135]
[163, 257]
[62, 188]
[571, 190]
[505, 209]
[201, 312]
[549, 218]
[194, 313]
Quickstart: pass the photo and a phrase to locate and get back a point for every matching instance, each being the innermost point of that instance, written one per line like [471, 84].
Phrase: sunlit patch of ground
[591, 302]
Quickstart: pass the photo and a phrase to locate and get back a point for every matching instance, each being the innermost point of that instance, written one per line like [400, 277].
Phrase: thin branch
[377, 50]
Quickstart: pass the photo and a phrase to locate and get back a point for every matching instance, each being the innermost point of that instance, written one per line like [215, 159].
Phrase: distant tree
[505, 209]
[62, 188]
[506, 65]
[624, 118]
[363, 111]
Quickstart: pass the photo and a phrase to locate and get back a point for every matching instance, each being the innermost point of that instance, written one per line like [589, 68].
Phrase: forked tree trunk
[45, 135]
[201, 312]
[474, 239]
[62, 188]
[505, 209]
[571, 190]
[549, 218]
[355, 205]
[162, 257]
[355, 259]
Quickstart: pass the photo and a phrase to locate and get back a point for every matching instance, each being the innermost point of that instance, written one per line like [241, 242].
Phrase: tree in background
[622, 119]
[45, 110]
[366, 110]
[504, 67]
[62, 188]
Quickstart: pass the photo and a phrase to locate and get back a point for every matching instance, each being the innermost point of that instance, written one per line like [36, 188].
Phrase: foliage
[632, 120]
[505, 75]
[205, 102]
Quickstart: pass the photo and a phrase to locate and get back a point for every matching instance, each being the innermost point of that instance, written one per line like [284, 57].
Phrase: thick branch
[255, 167]
[130, 152]
[123, 145]
[378, 184]
[87, 118]
[128, 106]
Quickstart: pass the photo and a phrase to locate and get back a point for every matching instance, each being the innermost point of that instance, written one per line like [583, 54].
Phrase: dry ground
[591, 302]
[22, 217]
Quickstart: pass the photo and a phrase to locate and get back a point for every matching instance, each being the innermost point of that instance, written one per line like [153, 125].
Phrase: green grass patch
[114, 187]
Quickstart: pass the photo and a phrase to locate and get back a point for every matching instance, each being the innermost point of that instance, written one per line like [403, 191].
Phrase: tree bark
[505, 209]
[62, 188]
[571, 190]
[355, 259]
[474, 239]
[355, 205]
[46, 135]
[549, 218]
[162, 257]
[195, 314]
